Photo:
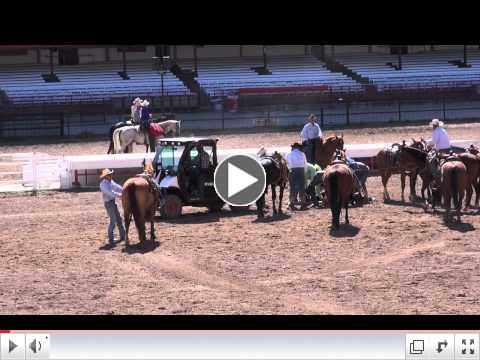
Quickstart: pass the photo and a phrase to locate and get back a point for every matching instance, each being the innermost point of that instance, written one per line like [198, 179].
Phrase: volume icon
[35, 346]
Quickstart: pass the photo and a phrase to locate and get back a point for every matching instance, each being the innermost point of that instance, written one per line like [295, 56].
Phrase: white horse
[125, 137]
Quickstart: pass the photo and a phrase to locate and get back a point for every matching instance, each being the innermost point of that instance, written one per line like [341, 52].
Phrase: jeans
[115, 218]
[310, 150]
[296, 178]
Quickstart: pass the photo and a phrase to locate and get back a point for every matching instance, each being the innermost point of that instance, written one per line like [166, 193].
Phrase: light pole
[162, 66]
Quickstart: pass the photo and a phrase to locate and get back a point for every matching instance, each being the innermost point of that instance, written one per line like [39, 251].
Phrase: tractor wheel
[239, 208]
[171, 207]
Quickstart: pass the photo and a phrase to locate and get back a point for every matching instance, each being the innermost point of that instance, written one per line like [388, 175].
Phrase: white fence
[32, 172]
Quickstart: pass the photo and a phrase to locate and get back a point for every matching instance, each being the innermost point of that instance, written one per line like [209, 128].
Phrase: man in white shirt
[297, 162]
[110, 190]
[310, 133]
[440, 140]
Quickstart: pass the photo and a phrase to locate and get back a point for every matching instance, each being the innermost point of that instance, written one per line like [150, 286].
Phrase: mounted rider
[136, 110]
[145, 115]
[310, 134]
[440, 139]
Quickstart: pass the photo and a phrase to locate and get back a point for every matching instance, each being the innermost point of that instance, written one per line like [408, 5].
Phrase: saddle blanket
[155, 130]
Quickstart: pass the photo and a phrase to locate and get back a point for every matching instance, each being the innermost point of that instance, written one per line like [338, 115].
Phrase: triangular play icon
[238, 180]
[11, 346]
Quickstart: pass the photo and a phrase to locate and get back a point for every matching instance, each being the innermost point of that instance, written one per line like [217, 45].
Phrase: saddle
[154, 187]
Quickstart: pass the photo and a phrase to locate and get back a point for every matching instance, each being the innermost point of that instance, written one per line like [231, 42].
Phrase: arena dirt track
[393, 259]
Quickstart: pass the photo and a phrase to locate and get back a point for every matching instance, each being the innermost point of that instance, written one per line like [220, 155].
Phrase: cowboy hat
[312, 117]
[436, 122]
[106, 172]
[297, 145]
[145, 103]
[137, 100]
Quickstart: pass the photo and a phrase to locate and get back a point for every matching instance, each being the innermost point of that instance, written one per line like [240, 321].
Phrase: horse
[114, 127]
[324, 150]
[454, 182]
[408, 160]
[140, 201]
[339, 186]
[472, 163]
[123, 138]
[276, 171]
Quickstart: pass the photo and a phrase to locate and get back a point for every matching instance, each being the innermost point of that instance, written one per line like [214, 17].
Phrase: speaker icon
[35, 346]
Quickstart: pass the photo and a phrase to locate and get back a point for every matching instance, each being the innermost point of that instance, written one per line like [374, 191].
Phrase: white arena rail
[35, 171]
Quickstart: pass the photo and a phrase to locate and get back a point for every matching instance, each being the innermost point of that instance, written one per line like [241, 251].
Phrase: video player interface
[232, 345]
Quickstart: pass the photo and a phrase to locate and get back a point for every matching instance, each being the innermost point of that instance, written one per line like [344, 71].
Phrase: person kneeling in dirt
[314, 182]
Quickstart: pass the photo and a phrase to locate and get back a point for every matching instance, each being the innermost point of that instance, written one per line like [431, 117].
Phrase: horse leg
[274, 198]
[459, 207]
[385, 176]
[280, 200]
[402, 182]
[469, 189]
[477, 193]
[347, 221]
[260, 203]
[413, 183]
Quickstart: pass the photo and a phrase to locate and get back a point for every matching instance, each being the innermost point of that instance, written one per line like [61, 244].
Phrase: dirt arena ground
[393, 259]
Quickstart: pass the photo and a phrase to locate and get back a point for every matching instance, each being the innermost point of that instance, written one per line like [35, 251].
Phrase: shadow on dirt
[346, 230]
[110, 246]
[418, 204]
[140, 248]
[460, 227]
[206, 217]
[272, 218]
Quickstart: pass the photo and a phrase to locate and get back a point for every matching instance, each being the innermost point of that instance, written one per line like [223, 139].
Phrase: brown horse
[325, 150]
[339, 185]
[408, 160]
[454, 182]
[276, 170]
[472, 163]
[140, 201]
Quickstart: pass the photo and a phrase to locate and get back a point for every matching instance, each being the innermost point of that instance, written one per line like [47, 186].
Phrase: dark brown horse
[339, 186]
[408, 160]
[140, 201]
[325, 150]
[276, 171]
[454, 182]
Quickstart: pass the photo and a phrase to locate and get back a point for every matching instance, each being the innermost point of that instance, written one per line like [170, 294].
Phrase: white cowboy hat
[137, 100]
[145, 103]
[105, 172]
[436, 122]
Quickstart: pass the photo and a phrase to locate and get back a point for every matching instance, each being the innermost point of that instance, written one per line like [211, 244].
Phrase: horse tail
[110, 137]
[116, 141]
[454, 174]
[334, 198]
[134, 206]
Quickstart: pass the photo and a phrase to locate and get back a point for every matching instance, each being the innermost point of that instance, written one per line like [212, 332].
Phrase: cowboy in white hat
[110, 190]
[136, 110]
[440, 140]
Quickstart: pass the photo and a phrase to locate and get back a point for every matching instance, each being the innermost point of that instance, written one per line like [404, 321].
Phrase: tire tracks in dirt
[162, 266]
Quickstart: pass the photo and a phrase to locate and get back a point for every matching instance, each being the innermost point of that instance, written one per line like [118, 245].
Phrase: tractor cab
[185, 168]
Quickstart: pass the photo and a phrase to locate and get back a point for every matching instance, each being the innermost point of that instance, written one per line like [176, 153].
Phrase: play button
[239, 180]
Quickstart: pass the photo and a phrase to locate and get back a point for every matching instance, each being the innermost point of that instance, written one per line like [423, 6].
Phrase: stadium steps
[335, 66]
[187, 77]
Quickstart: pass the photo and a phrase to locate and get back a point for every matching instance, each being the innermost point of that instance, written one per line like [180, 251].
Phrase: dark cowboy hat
[297, 145]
